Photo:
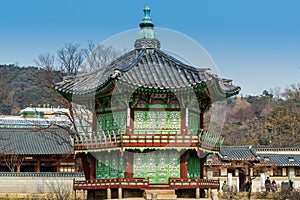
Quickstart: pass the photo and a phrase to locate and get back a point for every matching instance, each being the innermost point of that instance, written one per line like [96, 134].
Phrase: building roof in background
[262, 155]
[230, 153]
[285, 156]
[35, 141]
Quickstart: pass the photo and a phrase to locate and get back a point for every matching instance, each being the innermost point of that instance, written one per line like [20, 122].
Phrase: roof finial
[146, 21]
[146, 36]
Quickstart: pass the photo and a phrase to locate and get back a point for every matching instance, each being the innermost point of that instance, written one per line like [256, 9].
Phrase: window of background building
[277, 172]
[67, 167]
[216, 173]
[297, 172]
[257, 172]
[231, 170]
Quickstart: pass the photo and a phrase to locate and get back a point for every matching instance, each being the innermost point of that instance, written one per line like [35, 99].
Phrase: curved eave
[216, 90]
[151, 70]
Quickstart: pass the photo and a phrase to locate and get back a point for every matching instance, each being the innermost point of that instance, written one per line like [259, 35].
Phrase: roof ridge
[195, 69]
[130, 66]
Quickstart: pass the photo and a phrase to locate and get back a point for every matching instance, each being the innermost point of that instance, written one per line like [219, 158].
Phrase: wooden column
[58, 165]
[201, 168]
[197, 193]
[202, 192]
[129, 165]
[183, 165]
[183, 121]
[85, 165]
[119, 193]
[130, 121]
[201, 120]
[38, 167]
[18, 168]
[201, 159]
[108, 193]
[93, 168]
[94, 123]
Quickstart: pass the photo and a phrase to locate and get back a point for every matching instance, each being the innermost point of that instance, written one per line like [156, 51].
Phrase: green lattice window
[110, 165]
[157, 120]
[193, 123]
[111, 121]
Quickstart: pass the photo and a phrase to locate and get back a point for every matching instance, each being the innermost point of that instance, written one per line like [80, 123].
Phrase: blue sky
[256, 43]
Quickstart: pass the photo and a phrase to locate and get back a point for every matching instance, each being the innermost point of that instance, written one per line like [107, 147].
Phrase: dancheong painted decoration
[147, 128]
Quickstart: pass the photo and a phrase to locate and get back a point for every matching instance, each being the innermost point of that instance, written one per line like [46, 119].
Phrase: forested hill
[22, 86]
[272, 118]
[264, 119]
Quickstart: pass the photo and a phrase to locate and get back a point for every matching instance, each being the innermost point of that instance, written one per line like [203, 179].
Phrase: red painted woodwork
[129, 129]
[201, 168]
[183, 165]
[201, 121]
[129, 165]
[183, 121]
[94, 123]
[93, 168]
[201, 159]
[139, 183]
[85, 165]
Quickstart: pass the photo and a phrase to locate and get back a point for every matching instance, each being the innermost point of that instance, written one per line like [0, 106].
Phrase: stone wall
[37, 183]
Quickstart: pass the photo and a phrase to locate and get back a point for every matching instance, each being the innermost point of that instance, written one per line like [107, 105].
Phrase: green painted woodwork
[110, 165]
[157, 120]
[211, 140]
[193, 164]
[112, 122]
[159, 106]
[157, 165]
[193, 123]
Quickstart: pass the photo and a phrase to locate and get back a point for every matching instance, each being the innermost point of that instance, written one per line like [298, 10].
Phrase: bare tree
[13, 161]
[98, 57]
[276, 92]
[46, 61]
[70, 58]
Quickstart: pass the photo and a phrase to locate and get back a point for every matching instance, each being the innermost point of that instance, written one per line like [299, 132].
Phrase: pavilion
[147, 133]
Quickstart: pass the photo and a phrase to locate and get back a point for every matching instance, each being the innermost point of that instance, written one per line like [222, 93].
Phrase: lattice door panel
[157, 165]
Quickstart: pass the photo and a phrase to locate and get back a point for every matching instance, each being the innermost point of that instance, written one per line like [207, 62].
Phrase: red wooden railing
[174, 183]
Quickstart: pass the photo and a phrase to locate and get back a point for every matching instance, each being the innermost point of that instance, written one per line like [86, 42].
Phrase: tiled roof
[279, 159]
[29, 141]
[285, 156]
[230, 153]
[213, 159]
[146, 68]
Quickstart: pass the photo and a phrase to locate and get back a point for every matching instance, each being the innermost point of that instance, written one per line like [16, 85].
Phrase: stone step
[160, 192]
[162, 197]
